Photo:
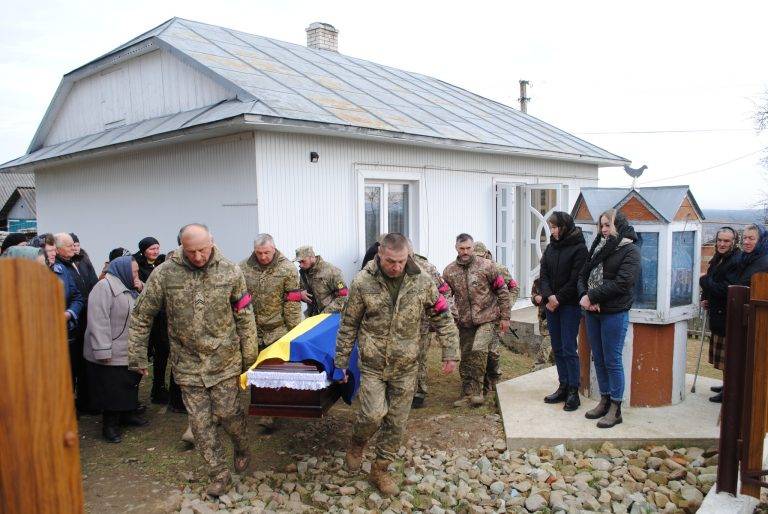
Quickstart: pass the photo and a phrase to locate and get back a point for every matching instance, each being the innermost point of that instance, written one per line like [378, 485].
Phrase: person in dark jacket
[714, 289]
[148, 258]
[84, 278]
[560, 266]
[754, 254]
[370, 253]
[83, 262]
[606, 288]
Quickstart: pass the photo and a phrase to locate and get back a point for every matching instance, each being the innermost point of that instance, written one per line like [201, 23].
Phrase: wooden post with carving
[39, 447]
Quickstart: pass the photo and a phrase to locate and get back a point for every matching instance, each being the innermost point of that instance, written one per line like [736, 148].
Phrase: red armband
[343, 292]
[499, 282]
[293, 296]
[512, 283]
[444, 288]
[441, 305]
[242, 303]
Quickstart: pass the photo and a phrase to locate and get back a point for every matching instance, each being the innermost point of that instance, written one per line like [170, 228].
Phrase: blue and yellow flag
[314, 339]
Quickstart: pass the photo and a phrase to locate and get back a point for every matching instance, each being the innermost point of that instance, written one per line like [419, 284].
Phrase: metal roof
[280, 83]
[27, 194]
[9, 182]
[665, 200]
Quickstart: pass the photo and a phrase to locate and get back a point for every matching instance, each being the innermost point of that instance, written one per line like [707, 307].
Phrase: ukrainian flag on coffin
[314, 339]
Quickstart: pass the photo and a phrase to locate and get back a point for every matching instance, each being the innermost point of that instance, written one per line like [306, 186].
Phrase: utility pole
[524, 99]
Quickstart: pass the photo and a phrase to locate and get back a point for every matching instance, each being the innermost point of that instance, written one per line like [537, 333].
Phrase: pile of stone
[487, 479]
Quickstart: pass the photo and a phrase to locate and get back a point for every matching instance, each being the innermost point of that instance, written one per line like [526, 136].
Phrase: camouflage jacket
[479, 290]
[325, 283]
[512, 287]
[271, 287]
[442, 287]
[210, 322]
[388, 333]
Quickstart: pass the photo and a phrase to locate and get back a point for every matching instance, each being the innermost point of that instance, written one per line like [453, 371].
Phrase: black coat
[743, 273]
[560, 267]
[621, 269]
[145, 268]
[87, 274]
[714, 288]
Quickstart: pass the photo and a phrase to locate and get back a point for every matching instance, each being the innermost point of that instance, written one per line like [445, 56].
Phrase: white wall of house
[148, 86]
[118, 200]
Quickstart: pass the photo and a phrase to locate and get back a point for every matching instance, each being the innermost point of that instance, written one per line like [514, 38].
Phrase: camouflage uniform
[325, 283]
[388, 334]
[426, 333]
[212, 338]
[276, 296]
[544, 355]
[482, 299]
[493, 369]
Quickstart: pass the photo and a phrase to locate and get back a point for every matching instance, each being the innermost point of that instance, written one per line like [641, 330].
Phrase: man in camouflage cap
[482, 301]
[427, 332]
[493, 368]
[213, 340]
[273, 282]
[386, 303]
[322, 284]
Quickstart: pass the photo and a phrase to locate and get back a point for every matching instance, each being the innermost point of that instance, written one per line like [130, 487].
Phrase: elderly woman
[114, 389]
[606, 288]
[754, 254]
[714, 287]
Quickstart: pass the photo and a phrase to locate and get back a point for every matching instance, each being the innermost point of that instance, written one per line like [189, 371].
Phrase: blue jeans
[563, 327]
[606, 334]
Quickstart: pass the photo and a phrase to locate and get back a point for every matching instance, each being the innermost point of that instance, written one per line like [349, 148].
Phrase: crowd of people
[210, 317]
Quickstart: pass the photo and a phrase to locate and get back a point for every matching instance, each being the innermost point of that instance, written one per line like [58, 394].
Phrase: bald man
[213, 339]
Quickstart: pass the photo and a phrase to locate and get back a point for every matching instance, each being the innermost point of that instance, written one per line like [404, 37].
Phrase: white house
[193, 122]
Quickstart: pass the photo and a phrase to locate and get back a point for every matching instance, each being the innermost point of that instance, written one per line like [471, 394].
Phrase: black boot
[418, 402]
[613, 417]
[572, 401]
[132, 419]
[716, 389]
[601, 409]
[558, 396]
[718, 398]
[159, 394]
[110, 429]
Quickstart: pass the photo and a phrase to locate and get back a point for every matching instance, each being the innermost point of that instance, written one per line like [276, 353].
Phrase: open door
[39, 445]
[540, 201]
[504, 246]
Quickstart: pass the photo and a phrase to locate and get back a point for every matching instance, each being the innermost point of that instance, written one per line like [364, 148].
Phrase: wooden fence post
[39, 445]
[756, 384]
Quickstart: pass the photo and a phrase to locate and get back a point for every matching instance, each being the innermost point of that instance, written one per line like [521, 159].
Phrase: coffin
[278, 400]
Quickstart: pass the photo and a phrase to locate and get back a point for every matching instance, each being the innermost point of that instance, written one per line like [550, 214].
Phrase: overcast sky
[672, 85]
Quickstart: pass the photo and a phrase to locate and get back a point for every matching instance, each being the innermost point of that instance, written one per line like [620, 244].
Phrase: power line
[685, 131]
[709, 168]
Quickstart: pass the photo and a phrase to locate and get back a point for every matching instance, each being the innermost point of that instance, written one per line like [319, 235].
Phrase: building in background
[18, 211]
[194, 122]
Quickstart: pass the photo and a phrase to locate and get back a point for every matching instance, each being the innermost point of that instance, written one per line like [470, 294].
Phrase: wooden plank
[583, 214]
[757, 389]
[40, 469]
[686, 211]
[652, 357]
[636, 211]
[585, 358]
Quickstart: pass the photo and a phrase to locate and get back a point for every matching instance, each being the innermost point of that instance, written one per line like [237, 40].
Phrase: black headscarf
[761, 248]
[146, 243]
[623, 230]
[565, 223]
[121, 268]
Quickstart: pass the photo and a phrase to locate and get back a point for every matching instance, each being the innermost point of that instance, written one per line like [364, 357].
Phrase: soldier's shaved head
[196, 243]
[394, 241]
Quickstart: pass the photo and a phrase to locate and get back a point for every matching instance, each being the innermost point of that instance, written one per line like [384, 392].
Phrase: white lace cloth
[278, 380]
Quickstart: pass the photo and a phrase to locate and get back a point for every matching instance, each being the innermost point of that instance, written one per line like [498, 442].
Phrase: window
[646, 287]
[387, 209]
[683, 256]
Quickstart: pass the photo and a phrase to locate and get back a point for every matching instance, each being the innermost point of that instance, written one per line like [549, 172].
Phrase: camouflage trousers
[421, 379]
[267, 337]
[385, 402]
[493, 364]
[223, 402]
[474, 342]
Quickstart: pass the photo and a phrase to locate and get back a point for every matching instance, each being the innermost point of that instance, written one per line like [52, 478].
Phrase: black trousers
[79, 373]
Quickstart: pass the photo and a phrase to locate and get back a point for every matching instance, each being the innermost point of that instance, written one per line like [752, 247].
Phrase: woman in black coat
[559, 275]
[714, 289]
[606, 288]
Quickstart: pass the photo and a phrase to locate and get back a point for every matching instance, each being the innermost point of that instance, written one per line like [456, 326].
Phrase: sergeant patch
[242, 303]
[441, 305]
[499, 282]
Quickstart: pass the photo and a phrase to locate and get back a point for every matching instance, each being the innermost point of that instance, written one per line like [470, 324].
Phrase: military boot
[242, 460]
[476, 400]
[354, 456]
[219, 484]
[613, 417]
[381, 478]
[462, 402]
[601, 409]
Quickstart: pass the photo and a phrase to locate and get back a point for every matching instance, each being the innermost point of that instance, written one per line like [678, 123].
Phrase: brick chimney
[323, 36]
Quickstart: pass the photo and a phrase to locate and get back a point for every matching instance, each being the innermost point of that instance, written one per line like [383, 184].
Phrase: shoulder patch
[57, 268]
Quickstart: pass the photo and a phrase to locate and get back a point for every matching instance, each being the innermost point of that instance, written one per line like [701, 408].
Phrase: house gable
[636, 210]
[687, 211]
[582, 211]
[147, 86]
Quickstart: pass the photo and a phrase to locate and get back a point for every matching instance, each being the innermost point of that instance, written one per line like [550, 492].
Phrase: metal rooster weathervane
[635, 173]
